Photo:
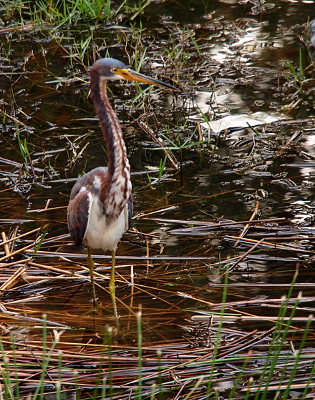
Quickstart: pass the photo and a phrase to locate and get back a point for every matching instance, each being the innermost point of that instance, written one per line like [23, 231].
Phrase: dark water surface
[231, 58]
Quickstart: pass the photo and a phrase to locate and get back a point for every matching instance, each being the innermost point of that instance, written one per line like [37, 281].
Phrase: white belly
[100, 235]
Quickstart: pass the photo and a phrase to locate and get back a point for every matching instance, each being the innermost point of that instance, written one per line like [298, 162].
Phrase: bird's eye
[114, 70]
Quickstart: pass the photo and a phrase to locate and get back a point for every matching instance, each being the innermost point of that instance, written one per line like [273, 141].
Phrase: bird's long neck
[115, 192]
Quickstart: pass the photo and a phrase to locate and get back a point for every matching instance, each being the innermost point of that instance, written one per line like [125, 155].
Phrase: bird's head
[111, 69]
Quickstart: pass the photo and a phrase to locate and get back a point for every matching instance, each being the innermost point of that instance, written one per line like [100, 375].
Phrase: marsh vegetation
[215, 281]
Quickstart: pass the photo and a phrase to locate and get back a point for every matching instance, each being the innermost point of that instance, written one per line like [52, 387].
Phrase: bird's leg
[112, 288]
[91, 268]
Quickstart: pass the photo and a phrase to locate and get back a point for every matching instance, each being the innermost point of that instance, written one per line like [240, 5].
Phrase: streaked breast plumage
[89, 222]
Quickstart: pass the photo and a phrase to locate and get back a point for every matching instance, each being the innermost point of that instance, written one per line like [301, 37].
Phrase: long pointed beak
[131, 75]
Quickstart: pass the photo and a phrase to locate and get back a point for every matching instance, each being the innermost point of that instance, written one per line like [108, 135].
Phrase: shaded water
[231, 58]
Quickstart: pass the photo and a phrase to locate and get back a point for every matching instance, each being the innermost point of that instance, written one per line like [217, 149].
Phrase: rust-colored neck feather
[115, 192]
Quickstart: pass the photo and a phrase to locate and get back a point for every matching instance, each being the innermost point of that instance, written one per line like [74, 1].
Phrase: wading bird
[100, 206]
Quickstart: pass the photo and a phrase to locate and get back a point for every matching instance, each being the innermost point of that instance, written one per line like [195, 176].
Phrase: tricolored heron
[100, 206]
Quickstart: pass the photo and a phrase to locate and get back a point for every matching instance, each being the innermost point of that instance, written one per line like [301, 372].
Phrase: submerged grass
[235, 368]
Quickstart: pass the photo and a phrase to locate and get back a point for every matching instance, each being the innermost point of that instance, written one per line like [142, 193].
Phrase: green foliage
[23, 148]
[162, 167]
[294, 74]
[57, 13]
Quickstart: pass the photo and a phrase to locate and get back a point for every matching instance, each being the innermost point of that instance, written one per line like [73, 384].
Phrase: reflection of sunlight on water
[309, 144]
[307, 171]
[224, 101]
[250, 40]
[163, 239]
[241, 121]
[224, 98]
[221, 98]
[309, 147]
[238, 47]
[303, 212]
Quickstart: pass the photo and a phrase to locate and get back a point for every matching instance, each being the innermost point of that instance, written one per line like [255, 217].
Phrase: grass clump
[261, 365]
[58, 13]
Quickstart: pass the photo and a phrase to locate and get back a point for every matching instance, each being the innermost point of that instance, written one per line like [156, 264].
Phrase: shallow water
[230, 58]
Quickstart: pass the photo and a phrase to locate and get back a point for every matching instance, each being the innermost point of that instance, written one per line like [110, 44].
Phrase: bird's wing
[78, 214]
